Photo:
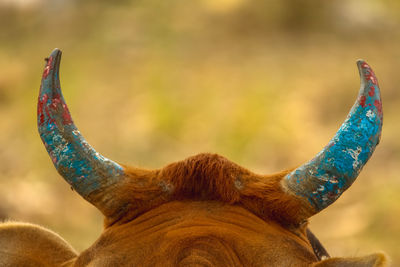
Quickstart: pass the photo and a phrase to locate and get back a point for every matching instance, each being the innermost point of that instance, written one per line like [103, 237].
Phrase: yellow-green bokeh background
[264, 83]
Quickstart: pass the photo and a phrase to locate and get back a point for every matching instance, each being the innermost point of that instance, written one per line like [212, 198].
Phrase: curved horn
[88, 172]
[323, 179]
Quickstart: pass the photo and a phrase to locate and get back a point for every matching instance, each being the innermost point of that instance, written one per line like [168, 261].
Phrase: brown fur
[192, 233]
[213, 177]
[206, 177]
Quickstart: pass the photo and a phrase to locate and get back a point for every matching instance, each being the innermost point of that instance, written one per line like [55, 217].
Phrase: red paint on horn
[47, 68]
[57, 104]
[363, 98]
[42, 101]
[371, 76]
[371, 91]
[378, 105]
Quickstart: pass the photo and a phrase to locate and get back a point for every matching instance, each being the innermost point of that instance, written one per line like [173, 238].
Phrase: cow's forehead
[180, 231]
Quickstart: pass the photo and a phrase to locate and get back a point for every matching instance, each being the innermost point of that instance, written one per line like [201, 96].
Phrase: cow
[202, 211]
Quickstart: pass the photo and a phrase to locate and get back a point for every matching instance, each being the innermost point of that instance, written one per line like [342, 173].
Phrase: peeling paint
[323, 179]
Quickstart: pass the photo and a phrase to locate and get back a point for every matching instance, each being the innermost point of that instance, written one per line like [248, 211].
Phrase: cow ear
[373, 260]
[24, 244]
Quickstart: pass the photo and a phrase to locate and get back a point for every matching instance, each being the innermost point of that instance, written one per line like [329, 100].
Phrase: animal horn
[88, 172]
[323, 179]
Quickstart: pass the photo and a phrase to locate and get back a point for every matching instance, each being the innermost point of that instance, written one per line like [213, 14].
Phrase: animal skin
[202, 211]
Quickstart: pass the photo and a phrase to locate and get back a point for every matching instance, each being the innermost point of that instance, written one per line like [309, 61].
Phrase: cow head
[207, 209]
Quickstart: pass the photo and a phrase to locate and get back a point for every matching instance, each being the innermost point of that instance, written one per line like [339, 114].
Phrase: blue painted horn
[323, 179]
[88, 172]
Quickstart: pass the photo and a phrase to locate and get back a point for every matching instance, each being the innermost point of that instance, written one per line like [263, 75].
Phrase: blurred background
[264, 83]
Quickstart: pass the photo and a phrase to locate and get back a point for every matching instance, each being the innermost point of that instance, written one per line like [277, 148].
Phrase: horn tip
[360, 61]
[55, 55]
[52, 64]
[361, 64]
[56, 52]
